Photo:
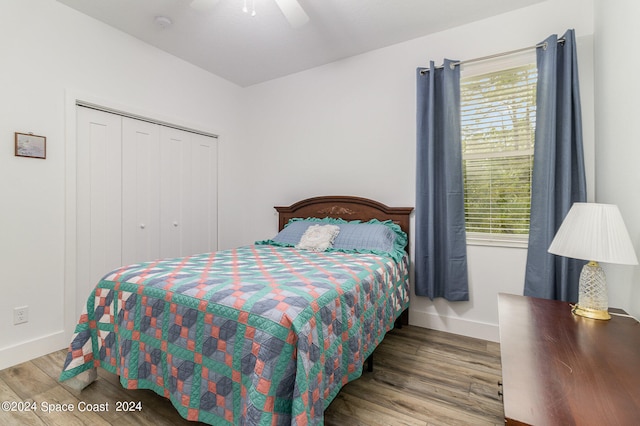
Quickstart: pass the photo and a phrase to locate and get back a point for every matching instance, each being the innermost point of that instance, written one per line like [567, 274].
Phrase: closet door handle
[175, 224]
[142, 226]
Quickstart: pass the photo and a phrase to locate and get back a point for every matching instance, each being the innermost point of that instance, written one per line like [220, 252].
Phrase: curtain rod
[496, 55]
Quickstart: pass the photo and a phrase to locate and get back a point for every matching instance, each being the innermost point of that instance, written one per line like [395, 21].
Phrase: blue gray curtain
[558, 169]
[440, 240]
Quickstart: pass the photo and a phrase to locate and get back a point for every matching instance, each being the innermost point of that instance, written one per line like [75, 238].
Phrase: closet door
[141, 173]
[189, 193]
[174, 146]
[144, 192]
[201, 235]
[99, 205]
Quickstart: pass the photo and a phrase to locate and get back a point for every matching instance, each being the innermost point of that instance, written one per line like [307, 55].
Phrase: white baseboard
[26, 351]
[476, 329]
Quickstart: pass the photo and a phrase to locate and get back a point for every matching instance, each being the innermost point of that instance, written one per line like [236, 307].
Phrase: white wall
[349, 128]
[50, 54]
[344, 128]
[617, 133]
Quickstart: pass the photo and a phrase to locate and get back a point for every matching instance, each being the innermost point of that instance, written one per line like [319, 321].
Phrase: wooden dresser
[562, 369]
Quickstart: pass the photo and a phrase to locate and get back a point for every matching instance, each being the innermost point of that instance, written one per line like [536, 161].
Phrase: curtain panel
[440, 240]
[558, 169]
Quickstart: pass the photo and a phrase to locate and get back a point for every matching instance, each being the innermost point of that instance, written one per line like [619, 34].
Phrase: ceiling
[218, 36]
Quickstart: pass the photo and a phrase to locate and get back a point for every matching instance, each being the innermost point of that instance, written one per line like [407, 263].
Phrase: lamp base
[590, 313]
[592, 293]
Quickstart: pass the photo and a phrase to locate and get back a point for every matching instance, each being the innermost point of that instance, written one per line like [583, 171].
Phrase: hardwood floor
[420, 377]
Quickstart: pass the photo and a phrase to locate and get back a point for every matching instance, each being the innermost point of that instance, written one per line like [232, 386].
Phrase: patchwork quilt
[255, 335]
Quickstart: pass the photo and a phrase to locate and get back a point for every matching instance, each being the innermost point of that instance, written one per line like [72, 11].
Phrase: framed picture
[30, 145]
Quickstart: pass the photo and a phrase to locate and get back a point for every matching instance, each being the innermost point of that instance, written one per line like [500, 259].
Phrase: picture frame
[30, 145]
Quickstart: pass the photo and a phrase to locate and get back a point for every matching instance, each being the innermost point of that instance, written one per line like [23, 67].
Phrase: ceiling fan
[291, 9]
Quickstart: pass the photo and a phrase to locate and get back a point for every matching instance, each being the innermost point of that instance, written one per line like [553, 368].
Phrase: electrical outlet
[20, 315]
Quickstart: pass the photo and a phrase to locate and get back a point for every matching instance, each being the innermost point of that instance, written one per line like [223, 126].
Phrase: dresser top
[563, 369]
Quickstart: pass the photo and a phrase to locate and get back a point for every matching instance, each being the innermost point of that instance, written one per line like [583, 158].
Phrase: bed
[261, 334]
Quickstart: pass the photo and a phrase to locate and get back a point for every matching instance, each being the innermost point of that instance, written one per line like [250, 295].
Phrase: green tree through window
[498, 125]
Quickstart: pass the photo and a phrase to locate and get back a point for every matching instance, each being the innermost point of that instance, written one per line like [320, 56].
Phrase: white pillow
[318, 237]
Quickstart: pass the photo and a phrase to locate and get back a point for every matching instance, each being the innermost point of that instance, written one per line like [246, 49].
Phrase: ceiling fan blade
[203, 4]
[294, 13]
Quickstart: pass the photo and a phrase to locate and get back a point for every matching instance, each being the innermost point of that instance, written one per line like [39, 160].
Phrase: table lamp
[594, 232]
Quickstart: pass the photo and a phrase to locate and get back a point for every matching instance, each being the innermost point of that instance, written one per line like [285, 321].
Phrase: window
[498, 112]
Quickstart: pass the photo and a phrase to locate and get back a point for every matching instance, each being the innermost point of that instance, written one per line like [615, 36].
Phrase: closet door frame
[73, 99]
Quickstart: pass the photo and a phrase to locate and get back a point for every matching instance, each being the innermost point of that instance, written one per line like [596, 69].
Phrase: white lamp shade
[593, 231]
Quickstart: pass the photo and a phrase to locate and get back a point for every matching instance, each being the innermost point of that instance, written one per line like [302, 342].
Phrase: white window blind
[498, 112]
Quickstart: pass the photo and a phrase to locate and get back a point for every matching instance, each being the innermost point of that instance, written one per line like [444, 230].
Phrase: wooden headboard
[347, 208]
